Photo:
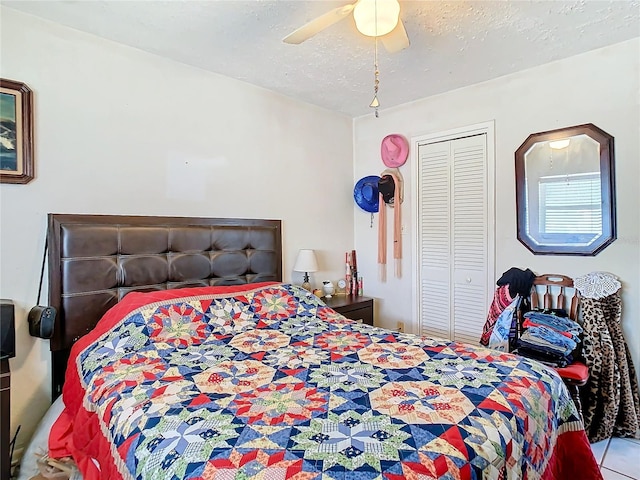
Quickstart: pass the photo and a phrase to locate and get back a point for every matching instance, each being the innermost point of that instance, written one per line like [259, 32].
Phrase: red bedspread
[265, 382]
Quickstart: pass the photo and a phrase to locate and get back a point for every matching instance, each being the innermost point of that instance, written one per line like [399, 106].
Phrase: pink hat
[394, 150]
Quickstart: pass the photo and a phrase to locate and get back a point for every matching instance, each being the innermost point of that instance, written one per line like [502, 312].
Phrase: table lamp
[306, 262]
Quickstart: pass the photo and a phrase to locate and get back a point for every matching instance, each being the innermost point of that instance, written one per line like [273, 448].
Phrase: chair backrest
[552, 291]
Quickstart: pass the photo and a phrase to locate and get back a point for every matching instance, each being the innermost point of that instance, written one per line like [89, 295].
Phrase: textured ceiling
[453, 44]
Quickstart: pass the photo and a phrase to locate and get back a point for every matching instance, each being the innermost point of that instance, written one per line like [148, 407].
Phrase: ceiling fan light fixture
[375, 18]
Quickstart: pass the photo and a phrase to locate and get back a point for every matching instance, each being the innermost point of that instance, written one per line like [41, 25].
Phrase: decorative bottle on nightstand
[328, 288]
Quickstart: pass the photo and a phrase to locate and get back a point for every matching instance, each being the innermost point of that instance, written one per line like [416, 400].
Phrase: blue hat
[365, 193]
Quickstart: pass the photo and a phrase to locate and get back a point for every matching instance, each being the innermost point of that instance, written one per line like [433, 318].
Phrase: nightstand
[355, 308]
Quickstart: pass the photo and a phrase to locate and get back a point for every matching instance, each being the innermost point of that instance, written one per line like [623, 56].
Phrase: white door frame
[487, 128]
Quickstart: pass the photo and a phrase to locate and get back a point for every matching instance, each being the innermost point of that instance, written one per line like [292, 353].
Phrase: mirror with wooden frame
[565, 192]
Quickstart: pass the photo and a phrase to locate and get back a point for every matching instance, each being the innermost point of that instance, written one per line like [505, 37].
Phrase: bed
[234, 374]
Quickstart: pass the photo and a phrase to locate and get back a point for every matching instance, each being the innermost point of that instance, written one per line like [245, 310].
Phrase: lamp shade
[306, 261]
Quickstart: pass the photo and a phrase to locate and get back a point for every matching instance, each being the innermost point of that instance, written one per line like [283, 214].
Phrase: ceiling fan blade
[317, 25]
[396, 39]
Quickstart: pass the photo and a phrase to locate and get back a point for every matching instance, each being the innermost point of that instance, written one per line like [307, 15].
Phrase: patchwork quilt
[266, 382]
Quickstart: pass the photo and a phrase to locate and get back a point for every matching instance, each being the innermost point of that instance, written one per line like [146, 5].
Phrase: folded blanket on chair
[501, 300]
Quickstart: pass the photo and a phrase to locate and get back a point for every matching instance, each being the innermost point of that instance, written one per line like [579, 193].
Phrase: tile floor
[619, 458]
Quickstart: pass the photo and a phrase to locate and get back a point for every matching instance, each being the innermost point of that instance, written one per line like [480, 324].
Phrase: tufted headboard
[95, 260]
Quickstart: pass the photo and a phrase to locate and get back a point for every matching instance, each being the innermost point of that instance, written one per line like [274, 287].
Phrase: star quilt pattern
[269, 383]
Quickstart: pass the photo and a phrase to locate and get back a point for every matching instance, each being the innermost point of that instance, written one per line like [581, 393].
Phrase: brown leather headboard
[95, 260]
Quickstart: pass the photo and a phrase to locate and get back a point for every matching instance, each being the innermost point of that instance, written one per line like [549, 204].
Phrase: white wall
[601, 87]
[119, 131]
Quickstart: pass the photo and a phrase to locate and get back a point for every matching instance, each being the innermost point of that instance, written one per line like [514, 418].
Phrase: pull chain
[376, 82]
[371, 225]
[375, 103]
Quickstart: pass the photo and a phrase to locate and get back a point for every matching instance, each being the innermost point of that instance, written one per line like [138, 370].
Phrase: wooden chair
[545, 288]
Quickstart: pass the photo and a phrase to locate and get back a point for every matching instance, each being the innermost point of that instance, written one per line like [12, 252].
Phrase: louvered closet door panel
[435, 249]
[469, 237]
[469, 312]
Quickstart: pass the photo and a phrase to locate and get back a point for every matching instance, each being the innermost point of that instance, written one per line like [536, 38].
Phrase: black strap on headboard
[95, 260]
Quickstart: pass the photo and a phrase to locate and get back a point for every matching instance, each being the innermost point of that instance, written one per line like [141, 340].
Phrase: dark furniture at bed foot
[574, 391]
[355, 308]
[5, 419]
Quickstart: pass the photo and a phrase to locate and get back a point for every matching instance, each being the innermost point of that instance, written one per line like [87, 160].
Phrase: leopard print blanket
[610, 399]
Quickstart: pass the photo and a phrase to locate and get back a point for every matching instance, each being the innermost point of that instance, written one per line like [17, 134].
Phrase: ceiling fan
[374, 18]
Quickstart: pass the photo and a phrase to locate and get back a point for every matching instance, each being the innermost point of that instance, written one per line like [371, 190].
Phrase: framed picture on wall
[16, 132]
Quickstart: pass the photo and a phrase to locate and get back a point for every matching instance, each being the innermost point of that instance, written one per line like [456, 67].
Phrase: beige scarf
[397, 228]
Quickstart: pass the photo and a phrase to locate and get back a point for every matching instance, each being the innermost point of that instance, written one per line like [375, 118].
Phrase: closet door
[453, 243]
[434, 209]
